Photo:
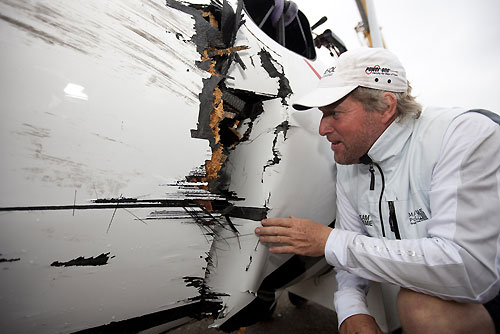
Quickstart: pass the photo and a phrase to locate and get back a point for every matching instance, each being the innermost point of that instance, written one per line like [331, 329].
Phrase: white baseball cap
[366, 67]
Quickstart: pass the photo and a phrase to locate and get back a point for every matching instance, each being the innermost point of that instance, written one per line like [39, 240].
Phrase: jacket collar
[391, 142]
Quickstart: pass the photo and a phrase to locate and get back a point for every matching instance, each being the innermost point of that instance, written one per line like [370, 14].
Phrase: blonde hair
[373, 100]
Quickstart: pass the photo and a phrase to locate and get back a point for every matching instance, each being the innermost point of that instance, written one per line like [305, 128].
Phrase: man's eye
[332, 114]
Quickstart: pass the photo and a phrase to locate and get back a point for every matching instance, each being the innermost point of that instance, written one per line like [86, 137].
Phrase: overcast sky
[450, 48]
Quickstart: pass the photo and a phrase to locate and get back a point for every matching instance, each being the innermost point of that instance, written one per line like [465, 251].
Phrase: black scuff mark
[257, 245]
[46, 37]
[251, 61]
[282, 128]
[74, 204]
[234, 230]
[135, 216]
[210, 300]
[221, 206]
[2, 260]
[240, 62]
[210, 262]
[180, 37]
[248, 266]
[112, 217]
[232, 226]
[182, 213]
[268, 62]
[274, 161]
[266, 205]
[250, 213]
[148, 321]
[99, 260]
[206, 221]
[202, 216]
[116, 200]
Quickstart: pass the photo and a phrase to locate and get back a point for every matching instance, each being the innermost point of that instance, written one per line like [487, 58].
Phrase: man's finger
[284, 222]
[274, 239]
[272, 230]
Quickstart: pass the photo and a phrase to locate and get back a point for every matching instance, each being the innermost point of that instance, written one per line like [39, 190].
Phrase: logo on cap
[378, 70]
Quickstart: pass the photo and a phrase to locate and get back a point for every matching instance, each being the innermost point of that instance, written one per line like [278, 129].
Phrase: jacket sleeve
[459, 259]
[350, 297]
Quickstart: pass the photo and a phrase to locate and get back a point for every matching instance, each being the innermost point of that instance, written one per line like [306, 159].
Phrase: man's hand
[360, 324]
[296, 236]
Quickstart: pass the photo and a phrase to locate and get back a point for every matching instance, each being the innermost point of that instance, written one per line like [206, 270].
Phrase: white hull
[102, 130]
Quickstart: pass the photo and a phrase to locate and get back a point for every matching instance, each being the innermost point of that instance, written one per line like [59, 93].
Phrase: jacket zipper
[372, 179]
[380, 199]
[393, 221]
[372, 187]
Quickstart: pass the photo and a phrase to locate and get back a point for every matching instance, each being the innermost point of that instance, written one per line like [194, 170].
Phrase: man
[418, 201]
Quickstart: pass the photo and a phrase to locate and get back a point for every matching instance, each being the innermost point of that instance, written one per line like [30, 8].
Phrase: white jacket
[434, 183]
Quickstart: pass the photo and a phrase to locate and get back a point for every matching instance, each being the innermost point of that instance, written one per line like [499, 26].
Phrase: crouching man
[418, 201]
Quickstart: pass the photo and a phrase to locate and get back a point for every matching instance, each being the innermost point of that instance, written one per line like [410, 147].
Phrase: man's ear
[391, 101]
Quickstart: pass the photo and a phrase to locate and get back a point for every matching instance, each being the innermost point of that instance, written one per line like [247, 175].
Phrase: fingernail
[257, 230]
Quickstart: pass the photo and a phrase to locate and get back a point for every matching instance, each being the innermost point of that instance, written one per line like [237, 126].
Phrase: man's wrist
[360, 323]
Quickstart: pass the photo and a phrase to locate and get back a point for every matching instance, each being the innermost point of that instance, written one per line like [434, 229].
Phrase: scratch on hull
[99, 260]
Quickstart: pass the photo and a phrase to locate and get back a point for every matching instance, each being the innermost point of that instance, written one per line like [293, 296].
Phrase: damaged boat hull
[143, 142]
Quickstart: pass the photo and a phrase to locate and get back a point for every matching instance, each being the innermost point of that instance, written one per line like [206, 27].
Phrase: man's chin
[344, 163]
[341, 159]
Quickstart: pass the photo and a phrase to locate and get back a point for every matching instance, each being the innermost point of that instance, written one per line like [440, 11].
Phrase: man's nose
[325, 127]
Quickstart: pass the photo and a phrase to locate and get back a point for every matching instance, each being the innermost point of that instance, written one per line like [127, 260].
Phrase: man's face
[350, 129]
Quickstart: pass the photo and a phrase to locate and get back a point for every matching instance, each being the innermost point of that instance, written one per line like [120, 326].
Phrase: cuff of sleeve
[336, 247]
[349, 303]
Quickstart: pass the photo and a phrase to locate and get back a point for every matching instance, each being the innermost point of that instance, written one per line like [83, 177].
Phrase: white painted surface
[98, 100]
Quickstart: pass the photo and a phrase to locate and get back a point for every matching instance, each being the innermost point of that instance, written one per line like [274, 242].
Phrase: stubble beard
[359, 145]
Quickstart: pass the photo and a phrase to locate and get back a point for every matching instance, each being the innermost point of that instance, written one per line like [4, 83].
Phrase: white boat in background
[142, 142]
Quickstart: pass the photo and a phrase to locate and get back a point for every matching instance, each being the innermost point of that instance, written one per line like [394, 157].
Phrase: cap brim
[322, 96]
